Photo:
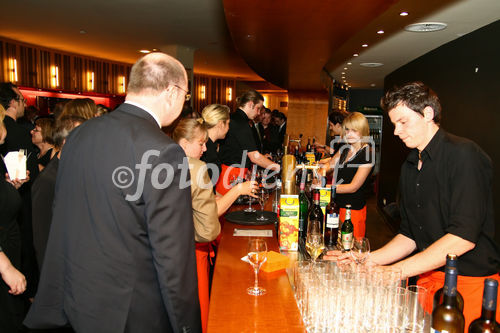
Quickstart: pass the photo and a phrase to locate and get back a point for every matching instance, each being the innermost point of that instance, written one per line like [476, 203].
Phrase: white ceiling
[117, 29]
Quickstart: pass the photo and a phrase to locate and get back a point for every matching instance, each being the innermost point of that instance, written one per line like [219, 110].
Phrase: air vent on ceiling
[426, 27]
[371, 64]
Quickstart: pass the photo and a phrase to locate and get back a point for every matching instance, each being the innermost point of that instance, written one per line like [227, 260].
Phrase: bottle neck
[450, 287]
[332, 194]
[316, 197]
[488, 310]
[348, 214]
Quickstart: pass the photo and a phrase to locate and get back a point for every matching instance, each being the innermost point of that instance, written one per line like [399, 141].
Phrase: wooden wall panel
[307, 114]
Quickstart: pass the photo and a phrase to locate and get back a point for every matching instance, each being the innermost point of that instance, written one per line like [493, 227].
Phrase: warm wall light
[229, 94]
[265, 99]
[121, 84]
[12, 70]
[90, 80]
[203, 92]
[54, 76]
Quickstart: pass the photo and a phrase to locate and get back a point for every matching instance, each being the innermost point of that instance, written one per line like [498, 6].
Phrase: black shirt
[238, 142]
[211, 158]
[45, 159]
[346, 172]
[451, 193]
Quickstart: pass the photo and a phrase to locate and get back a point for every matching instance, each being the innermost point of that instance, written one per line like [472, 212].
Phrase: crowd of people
[109, 233]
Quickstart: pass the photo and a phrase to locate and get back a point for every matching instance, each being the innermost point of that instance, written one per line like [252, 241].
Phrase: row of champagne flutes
[346, 298]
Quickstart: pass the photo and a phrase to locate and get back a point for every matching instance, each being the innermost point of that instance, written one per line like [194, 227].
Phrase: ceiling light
[403, 14]
[83, 32]
[426, 27]
[355, 55]
[345, 68]
[144, 51]
[380, 32]
[371, 64]
[364, 45]
[349, 63]
[343, 73]
[372, 85]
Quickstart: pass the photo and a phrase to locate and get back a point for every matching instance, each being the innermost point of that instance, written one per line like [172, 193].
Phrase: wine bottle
[451, 261]
[303, 210]
[446, 317]
[332, 220]
[347, 230]
[308, 147]
[315, 213]
[487, 323]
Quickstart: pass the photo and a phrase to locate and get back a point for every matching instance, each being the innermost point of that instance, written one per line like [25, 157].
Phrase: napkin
[15, 161]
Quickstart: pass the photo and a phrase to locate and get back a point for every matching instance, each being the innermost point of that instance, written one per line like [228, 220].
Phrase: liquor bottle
[303, 210]
[347, 230]
[487, 323]
[332, 220]
[313, 148]
[451, 261]
[308, 147]
[446, 317]
[315, 213]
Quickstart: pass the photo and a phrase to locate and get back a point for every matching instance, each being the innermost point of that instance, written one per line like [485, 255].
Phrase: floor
[377, 229]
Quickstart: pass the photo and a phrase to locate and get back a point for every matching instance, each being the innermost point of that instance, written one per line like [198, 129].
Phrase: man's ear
[428, 113]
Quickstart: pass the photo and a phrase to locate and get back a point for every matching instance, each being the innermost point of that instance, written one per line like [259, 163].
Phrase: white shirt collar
[145, 109]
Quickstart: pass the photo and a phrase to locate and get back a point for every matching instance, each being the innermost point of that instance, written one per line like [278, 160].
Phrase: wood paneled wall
[216, 91]
[34, 69]
[307, 114]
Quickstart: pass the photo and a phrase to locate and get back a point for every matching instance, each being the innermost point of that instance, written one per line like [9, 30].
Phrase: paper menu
[15, 161]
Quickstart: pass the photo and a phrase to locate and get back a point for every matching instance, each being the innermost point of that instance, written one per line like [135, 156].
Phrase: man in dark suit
[121, 255]
[279, 119]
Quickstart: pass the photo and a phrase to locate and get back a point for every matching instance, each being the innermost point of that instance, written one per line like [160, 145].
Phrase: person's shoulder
[457, 147]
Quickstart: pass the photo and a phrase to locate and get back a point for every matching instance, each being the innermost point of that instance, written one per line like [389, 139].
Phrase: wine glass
[263, 196]
[257, 255]
[253, 175]
[315, 243]
[360, 249]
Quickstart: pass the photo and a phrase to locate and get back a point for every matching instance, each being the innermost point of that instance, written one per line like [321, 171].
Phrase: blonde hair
[82, 107]
[358, 122]
[189, 128]
[214, 113]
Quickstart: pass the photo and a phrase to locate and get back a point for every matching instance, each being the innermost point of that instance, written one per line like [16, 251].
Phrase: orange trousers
[203, 253]
[358, 219]
[471, 288]
[227, 174]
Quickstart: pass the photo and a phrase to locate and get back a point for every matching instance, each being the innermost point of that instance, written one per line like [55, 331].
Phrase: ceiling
[292, 44]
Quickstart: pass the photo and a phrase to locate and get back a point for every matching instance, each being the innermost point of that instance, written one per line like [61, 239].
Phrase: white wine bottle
[446, 317]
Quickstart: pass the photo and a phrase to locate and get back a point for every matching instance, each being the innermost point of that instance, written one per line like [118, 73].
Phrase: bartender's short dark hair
[414, 95]
[249, 96]
[337, 116]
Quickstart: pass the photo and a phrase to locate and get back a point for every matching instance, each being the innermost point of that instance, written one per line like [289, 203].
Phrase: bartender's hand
[248, 188]
[17, 183]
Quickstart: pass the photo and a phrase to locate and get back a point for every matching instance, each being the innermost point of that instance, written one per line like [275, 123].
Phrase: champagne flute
[315, 243]
[257, 255]
[249, 209]
[263, 196]
[360, 249]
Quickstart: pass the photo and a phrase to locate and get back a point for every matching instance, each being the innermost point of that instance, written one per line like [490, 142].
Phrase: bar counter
[231, 308]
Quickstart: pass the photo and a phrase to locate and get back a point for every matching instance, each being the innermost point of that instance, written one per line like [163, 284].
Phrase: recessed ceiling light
[154, 50]
[371, 64]
[345, 68]
[372, 85]
[144, 51]
[349, 63]
[355, 55]
[403, 14]
[343, 73]
[426, 27]
[364, 45]
[380, 32]
[83, 32]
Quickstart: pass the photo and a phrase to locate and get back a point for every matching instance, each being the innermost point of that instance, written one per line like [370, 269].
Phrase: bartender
[446, 202]
[239, 149]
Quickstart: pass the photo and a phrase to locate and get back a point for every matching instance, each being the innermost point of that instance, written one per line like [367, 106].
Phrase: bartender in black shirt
[446, 201]
[239, 149]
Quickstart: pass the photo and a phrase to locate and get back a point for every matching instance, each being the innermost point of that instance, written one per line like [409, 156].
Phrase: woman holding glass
[192, 136]
[353, 164]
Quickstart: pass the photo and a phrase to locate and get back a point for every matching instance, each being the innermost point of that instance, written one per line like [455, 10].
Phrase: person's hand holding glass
[314, 240]
[257, 255]
[360, 249]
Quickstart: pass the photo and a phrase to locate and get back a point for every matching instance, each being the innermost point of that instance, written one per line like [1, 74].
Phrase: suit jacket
[270, 138]
[117, 261]
[205, 216]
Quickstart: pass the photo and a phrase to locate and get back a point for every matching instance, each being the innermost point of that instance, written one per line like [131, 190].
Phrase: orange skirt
[471, 288]
[227, 174]
[203, 253]
[358, 219]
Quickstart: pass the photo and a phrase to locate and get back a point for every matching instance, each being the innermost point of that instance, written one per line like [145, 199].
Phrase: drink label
[332, 221]
[347, 241]
[289, 222]
[324, 198]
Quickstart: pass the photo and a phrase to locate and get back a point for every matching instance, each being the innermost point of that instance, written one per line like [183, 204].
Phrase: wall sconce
[229, 94]
[121, 84]
[54, 76]
[265, 100]
[90, 80]
[202, 92]
[12, 70]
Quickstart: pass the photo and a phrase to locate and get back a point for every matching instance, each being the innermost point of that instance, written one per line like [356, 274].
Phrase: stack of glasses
[346, 298]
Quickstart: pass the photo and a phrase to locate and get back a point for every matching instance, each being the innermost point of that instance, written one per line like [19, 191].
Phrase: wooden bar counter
[231, 308]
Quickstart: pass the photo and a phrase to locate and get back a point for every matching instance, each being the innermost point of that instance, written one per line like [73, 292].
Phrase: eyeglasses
[188, 94]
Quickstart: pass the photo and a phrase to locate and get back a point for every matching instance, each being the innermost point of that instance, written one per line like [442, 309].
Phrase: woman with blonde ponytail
[191, 134]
